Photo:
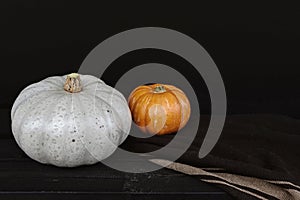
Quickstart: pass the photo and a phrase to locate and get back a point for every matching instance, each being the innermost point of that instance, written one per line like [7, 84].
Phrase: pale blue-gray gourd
[70, 120]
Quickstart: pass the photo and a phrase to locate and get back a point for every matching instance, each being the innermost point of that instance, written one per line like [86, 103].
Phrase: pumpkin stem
[73, 83]
[159, 89]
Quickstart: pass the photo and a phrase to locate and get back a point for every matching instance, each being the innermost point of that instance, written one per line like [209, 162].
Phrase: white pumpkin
[70, 120]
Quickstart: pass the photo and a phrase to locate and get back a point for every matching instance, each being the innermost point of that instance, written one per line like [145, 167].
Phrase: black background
[255, 47]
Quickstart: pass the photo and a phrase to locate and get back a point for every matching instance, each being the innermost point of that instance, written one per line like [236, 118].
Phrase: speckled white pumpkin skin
[66, 129]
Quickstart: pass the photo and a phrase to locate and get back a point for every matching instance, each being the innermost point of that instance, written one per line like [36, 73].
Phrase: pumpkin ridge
[111, 107]
[82, 107]
[146, 112]
[173, 88]
[32, 110]
[143, 87]
[47, 120]
[114, 116]
[116, 93]
[36, 103]
[140, 89]
[135, 106]
[137, 100]
[186, 101]
[180, 110]
[91, 83]
[100, 98]
[49, 81]
[15, 108]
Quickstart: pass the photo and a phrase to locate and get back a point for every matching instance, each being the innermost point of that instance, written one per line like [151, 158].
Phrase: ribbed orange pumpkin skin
[159, 109]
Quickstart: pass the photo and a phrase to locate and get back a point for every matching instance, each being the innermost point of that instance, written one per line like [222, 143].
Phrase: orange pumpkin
[159, 109]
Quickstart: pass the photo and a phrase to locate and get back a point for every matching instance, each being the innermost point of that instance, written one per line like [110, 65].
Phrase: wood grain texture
[23, 178]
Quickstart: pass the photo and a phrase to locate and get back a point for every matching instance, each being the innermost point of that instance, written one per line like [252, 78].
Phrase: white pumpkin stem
[159, 89]
[73, 83]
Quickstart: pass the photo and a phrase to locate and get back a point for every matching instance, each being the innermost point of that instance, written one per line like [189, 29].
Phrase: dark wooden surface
[24, 178]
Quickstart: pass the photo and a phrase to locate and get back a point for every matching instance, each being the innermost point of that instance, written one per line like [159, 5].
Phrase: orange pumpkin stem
[159, 89]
